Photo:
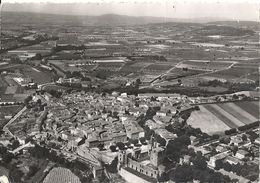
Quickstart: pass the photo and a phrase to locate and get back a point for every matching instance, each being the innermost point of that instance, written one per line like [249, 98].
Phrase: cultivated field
[8, 111]
[59, 174]
[37, 75]
[239, 71]
[213, 118]
[205, 65]
[178, 73]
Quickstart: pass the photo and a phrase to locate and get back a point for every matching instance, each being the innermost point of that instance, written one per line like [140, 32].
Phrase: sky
[187, 9]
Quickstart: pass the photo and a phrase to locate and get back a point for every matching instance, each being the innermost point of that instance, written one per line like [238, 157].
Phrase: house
[236, 140]
[134, 132]
[221, 148]
[241, 154]
[163, 112]
[142, 162]
[185, 159]
[194, 140]
[165, 134]
[134, 111]
[162, 119]
[213, 159]
[151, 124]
[119, 137]
[233, 160]
[257, 141]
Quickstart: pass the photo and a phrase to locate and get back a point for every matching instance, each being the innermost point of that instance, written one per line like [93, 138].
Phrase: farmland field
[178, 73]
[207, 121]
[59, 174]
[88, 67]
[159, 67]
[38, 77]
[3, 85]
[8, 111]
[213, 118]
[204, 65]
[240, 71]
[113, 66]
[3, 82]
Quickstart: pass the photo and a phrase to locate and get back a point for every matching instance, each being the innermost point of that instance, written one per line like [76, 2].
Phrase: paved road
[21, 147]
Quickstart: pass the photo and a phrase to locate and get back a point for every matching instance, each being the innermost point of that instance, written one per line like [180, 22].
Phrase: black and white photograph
[129, 91]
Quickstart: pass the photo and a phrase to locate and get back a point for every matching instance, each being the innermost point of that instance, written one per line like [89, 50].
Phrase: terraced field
[213, 118]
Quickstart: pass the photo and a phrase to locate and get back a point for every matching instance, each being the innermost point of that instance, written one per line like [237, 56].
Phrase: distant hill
[223, 31]
[115, 20]
[238, 24]
[102, 20]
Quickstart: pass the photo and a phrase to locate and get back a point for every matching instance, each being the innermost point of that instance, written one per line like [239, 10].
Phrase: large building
[145, 162]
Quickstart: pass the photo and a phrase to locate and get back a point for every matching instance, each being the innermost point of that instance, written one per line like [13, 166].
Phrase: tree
[143, 140]
[15, 175]
[163, 178]
[200, 162]
[234, 150]
[112, 148]
[227, 166]
[39, 102]
[133, 141]
[138, 82]
[38, 56]
[101, 146]
[15, 144]
[224, 140]
[244, 137]
[182, 173]
[112, 168]
[32, 170]
[120, 145]
[27, 100]
[7, 157]
[184, 139]
[161, 140]
[219, 164]
[215, 136]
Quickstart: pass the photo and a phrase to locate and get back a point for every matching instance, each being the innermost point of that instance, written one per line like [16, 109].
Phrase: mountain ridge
[106, 19]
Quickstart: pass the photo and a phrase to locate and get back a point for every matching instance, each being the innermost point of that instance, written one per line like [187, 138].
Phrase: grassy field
[213, 118]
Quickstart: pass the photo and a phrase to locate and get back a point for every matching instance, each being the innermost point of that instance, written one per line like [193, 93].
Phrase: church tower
[156, 154]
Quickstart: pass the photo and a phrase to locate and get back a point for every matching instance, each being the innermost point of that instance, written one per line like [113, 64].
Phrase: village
[135, 131]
